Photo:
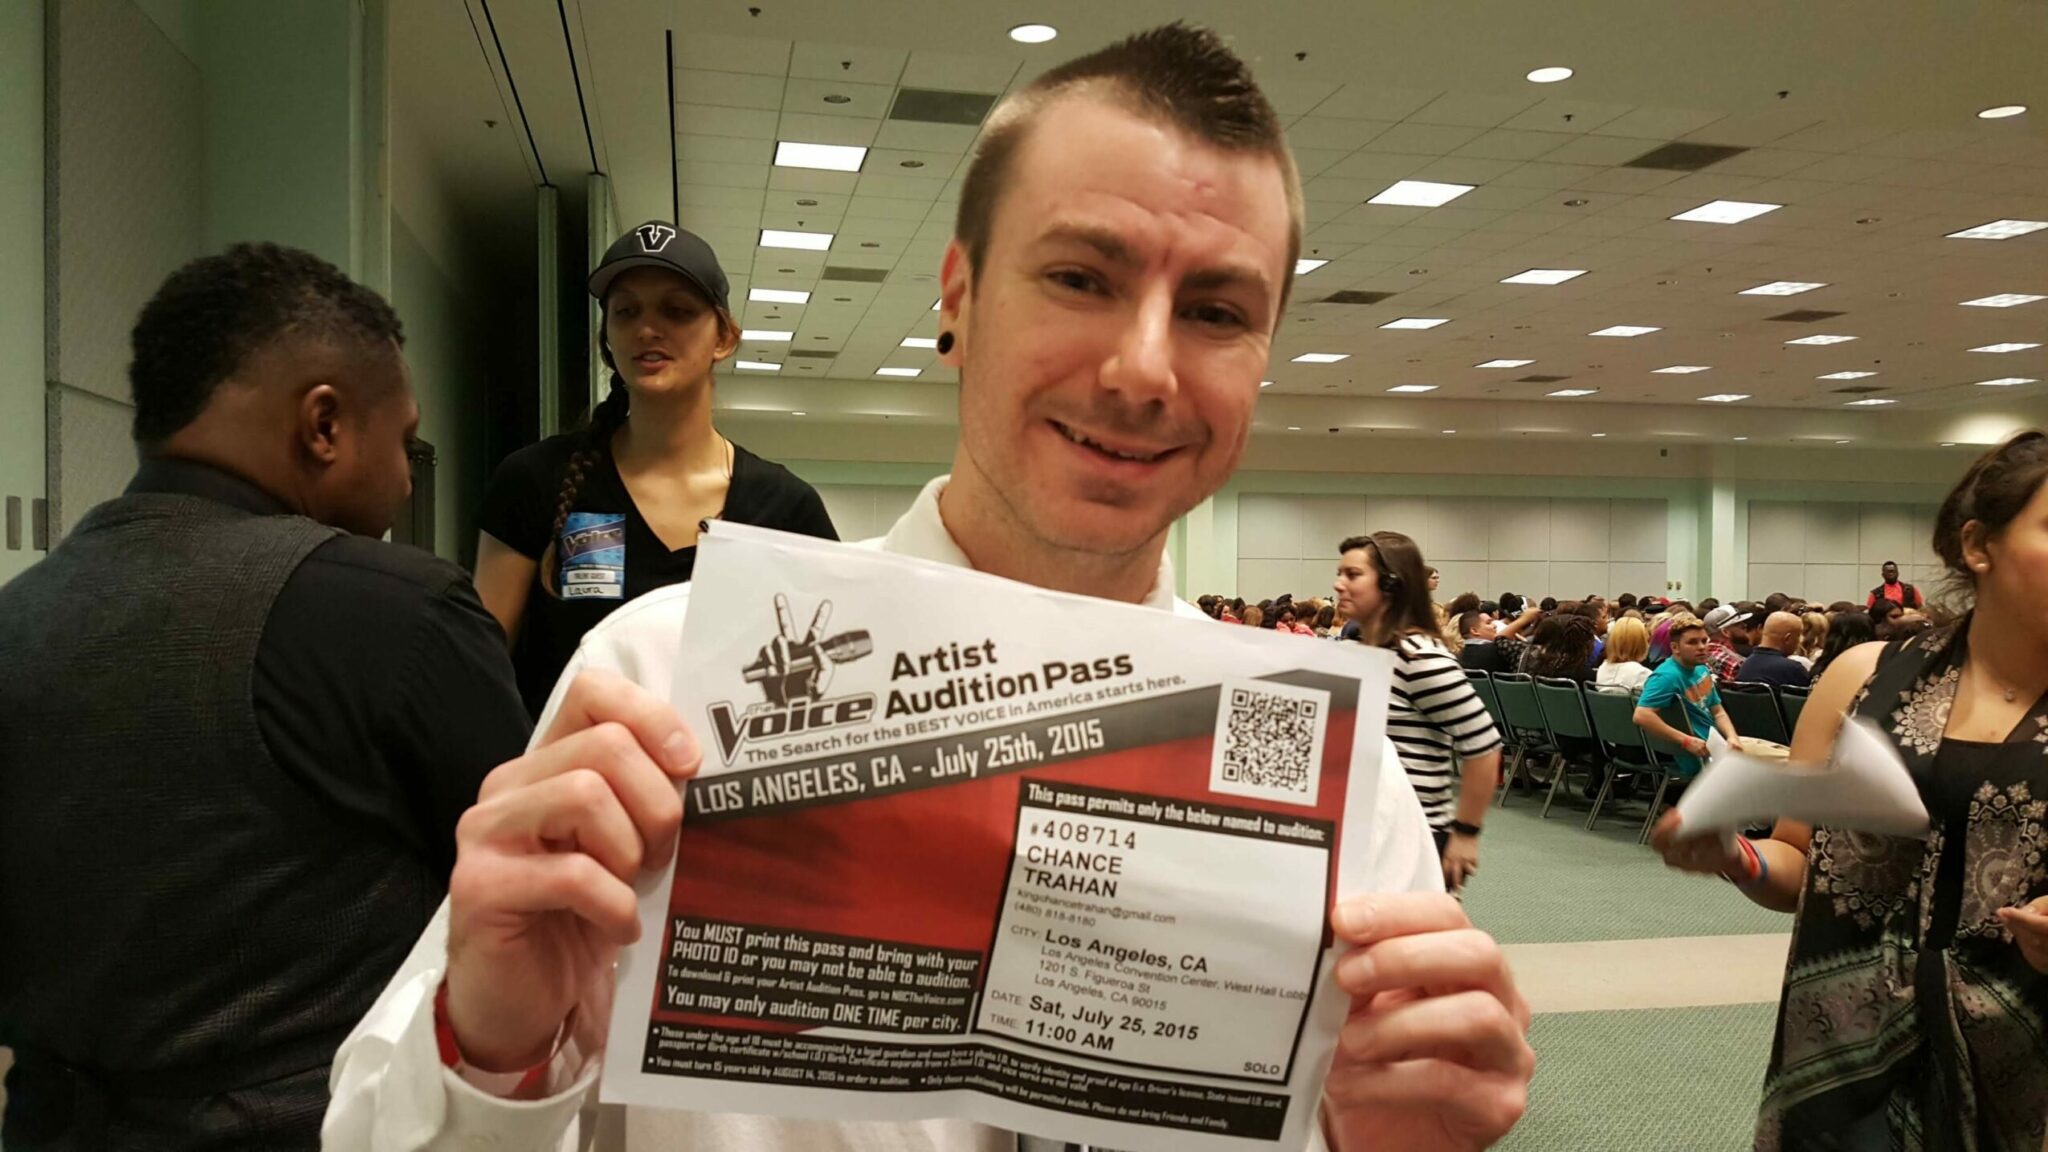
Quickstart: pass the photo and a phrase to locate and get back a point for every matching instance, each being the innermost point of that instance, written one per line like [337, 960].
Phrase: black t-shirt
[608, 554]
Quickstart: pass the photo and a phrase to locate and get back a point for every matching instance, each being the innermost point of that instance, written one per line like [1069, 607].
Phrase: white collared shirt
[391, 1093]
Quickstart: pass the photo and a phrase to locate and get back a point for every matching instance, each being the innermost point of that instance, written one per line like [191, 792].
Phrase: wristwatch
[1461, 828]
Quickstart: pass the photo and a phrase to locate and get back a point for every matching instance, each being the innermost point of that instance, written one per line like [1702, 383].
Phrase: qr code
[1269, 741]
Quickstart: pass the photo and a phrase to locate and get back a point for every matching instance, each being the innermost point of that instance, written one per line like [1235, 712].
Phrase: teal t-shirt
[1695, 690]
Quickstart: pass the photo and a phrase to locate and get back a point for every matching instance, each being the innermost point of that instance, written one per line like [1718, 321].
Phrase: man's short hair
[212, 313]
[1183, 76]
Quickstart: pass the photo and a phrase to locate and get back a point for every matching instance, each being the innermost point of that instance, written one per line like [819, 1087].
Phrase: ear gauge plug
[945, 343]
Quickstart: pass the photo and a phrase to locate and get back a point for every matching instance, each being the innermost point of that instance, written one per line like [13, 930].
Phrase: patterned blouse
[1910, 1020]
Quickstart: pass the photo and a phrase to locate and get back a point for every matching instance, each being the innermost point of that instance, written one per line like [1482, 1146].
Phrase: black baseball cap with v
[660, 244]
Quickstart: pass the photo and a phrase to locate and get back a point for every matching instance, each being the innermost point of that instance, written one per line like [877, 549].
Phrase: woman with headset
[578, 524]
[1434, 717]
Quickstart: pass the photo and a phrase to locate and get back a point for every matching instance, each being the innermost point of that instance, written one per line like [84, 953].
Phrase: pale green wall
[280, 131]
[21, 268]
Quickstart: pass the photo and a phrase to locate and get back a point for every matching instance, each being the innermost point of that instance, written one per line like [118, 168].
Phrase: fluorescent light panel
[898, 371]
[1321, 357]
[1682, 369]
[1420, 193]
[1624, 330]
[777, 296]
[1725, 397]
[1413, 388]
[767, 336]
[808, 241]
[1545, 276]
[1999, 230]
[830, 157]
[1265, 383]
[2002, 300]
[2014, 347]
[1781, 288]
[756, 366]
[1505, 364]
[1872, 402]
[1821, 340]
[1845, 376]
[1415, 322]
[1574, 392]
[2006, 382]
[1304, 266]
[1727, 212]
[920, 342]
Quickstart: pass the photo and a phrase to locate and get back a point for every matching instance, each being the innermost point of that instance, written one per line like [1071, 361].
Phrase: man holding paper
[1685, 678]
[1122, 256]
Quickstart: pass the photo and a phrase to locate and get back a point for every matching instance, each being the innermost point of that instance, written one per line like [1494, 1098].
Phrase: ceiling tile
[1367, 101]
[1835, 136]
[1422, 139]
[809, 128]
[706, 120]
[824, 205]
[959, 71]
[725, 149]
[811, 180]
[1473, 110]
[1657, 123]
[864, 101]
[1311, 162]
[857, 63]
[722, 175]
[1378, 168]
[1331, 132]
[1512, 144]
[918, 137]
[1604, 150]
[899, 186]
[702, 51]
[1560, 115]
[699, 196]
[1294, 95]
[1538, 174]
[728, 89]
[1755, 129]
[1464, 170]
[1631, 180]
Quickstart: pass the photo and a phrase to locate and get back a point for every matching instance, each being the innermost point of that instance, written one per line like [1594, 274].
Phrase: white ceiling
[1858, 118]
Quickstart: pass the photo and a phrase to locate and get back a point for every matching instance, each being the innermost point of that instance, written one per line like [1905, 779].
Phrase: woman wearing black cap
[578, 524]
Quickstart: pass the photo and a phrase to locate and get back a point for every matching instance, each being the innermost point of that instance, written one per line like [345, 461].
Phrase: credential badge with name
[593, 551]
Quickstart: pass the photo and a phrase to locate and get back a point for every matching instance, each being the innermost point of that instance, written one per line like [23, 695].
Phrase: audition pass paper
[962, 847]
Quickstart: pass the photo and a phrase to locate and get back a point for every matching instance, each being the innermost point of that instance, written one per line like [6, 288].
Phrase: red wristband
[531, 1082]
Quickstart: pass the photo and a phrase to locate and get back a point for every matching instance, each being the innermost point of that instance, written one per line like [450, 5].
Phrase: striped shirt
[1433, 714]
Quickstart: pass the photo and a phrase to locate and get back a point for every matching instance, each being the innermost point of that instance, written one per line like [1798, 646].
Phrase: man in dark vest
[236, 729]
[1904, 595]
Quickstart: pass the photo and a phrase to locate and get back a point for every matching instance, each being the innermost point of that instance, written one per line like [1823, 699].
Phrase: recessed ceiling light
[2001, 112]
[920, 342]
[1294, 427]
[1505, 364]
[2002, 300]
[1420, 193]
[1545, 276]
[1821, 340]
[2005, 347]
[1742, 437]
[1574, 392]
[1304, 266]
[809, 241]
[1450, 431]
[1841, 441]
[1033, 33]
[898, 371]
[1999, 230]
[1599, 435]
[1415, 322]
[1549, 75]
[1871, 402]
[777, 296]
[1727, 212]
[2006, 382]
[766, 335]
[1781, 288]
[1725, 397]
[936, 303]
[1845, 375]
[1625, 330]
[756, 366]
[799, 413]
[1321, 357]
[1681, 369]
[830, 157]
[1413, 388]
[1265, 383]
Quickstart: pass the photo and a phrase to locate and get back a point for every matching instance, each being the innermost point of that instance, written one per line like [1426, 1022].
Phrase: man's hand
[2029, 927]
[1709, 853]
[1461, 859]
[1434, 1056]
[541, 897]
